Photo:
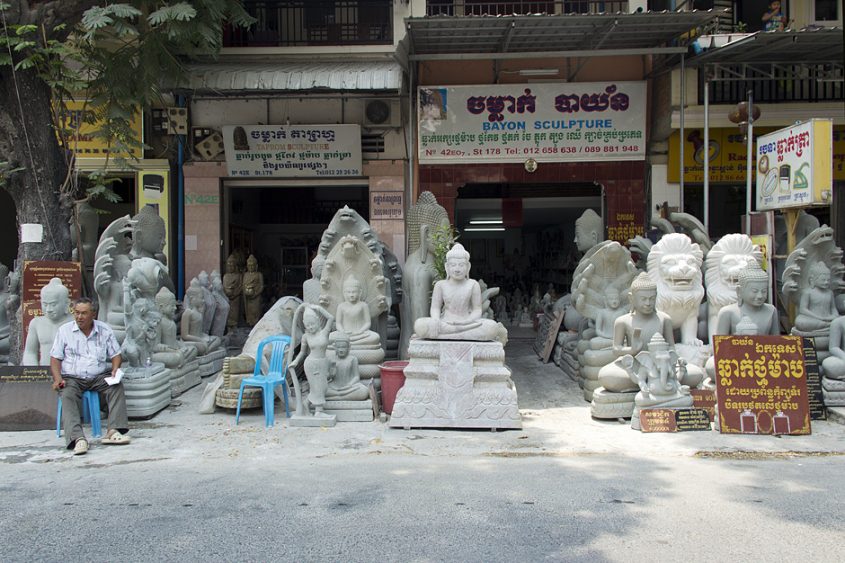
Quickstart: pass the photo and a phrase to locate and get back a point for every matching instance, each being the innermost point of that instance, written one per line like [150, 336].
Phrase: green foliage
[115, 58]
[443, 238]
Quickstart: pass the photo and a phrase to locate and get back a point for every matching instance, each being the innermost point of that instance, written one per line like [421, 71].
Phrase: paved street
[566, 487]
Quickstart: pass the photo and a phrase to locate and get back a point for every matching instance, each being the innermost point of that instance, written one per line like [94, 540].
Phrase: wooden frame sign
[761, 385]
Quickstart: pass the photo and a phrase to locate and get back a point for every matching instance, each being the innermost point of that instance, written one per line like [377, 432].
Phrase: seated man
[84, 353]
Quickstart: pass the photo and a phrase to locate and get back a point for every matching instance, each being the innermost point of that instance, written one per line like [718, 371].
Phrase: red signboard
[761, 385]
[38, 273]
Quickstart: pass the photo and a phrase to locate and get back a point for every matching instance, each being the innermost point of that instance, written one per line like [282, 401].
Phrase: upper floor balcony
[304, 23]
[524, 7]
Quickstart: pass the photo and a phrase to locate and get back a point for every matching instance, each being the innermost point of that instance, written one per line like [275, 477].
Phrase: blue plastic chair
[90, 412]
[268, 382]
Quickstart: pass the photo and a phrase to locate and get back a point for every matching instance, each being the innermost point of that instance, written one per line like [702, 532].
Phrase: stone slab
[456, 384]
[366, 404]
[352, 415]
[836, 414]
[300, 421]
[834, 398]
[27, 399]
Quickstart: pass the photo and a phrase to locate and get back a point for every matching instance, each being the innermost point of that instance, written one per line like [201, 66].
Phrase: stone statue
[456, 306]
[417, 282]
[311, 286]
[613, 309]
[141, 334]
[253, 284]
[657, 372]
[632, 331]
[317, 324]
[221, 313]
[674, 264]
[834, 365]
[344, 379]
[55, 306]
[487, 295]
[192, 322]
[148, 236]
[723, 265]
[210, 302]
[456, 376]
[85, 238]
[353, 315]
[816, 307]
[168, 349]
[425, 212]
[589, 230]
[4, 314]
[111, 264]
[233, 287]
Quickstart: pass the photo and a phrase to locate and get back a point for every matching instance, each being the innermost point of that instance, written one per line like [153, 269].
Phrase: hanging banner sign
[83, 132]
[795, 166]
[550, 122]
[761, 385]
[293, 151]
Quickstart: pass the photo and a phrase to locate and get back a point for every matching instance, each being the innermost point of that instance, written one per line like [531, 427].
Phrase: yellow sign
[152, 187]
[86, 144]
[727, 155]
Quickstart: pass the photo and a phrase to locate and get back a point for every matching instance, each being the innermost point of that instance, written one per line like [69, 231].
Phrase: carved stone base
[833, 391]
[589, 386]
[184, 378]
[147, 390]
[456, 384]
[830, 384]
[228, 398]
[350, 411]
[211, 363]
[607, 405]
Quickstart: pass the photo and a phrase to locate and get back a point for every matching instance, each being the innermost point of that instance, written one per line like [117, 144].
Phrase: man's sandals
[115, 438]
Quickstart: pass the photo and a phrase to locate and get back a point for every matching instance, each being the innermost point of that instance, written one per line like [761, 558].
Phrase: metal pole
[707, 155]
[681, 141]
[748, 164]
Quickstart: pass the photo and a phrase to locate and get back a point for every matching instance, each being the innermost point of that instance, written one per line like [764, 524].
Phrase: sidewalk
[556, 423]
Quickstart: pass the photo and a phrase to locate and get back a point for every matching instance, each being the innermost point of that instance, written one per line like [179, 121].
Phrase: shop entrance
[281, 224]
[522, 236]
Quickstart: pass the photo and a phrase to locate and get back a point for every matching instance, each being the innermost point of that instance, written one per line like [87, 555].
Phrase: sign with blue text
[549, 122]
[293, 151]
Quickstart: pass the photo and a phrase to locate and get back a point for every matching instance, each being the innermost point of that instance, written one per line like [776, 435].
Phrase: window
[827, 11]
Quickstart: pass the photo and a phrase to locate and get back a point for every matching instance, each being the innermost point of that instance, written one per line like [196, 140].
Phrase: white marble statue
[589, 230]
[456, 306]
[55, 306]
[726, 260]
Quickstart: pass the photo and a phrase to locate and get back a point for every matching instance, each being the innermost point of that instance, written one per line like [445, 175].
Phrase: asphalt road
[365, 507]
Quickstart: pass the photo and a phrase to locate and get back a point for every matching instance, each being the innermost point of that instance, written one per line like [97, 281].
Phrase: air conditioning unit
[209, 147]
[177, 121]
[382, 112]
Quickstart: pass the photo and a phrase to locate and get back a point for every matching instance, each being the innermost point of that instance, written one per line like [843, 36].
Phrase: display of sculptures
[725, 261]
[253, 286]
[658, 373]
[456, 376]
[210, 349]
[204, 281]
[233, 287]
[55, 306]
[111, 264]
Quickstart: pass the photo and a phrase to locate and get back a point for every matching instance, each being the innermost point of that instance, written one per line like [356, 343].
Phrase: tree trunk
[28, 141]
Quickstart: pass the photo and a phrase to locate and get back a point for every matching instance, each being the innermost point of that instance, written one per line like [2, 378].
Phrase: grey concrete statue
[344, 379]
[833, 366]
[149, 235]
[233, 287]
[417, 282]
[456, 375]
[589, 230]
[425, 212]
[253, 285]
[456, 306]
[725, 262]
[55, 306]
[111, 264]
[178, 357]
[221, 312]
[208, 298]
[311, 286]
[4, 314]
[657, 372]
[192, 322]
[314, 342]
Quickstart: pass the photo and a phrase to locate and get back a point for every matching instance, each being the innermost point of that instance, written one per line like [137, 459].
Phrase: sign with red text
[549, 122]
[761, 385]
[795, 166]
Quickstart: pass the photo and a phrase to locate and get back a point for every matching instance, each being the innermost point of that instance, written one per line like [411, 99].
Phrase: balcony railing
[486, 8]
[775, 83]
[289, 23]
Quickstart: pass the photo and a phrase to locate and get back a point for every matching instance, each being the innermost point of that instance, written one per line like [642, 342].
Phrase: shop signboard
[387, 205]
[83, 138]
[674, 420]
[761, 385]
[795, 166]
[293, 151]
[549, 122]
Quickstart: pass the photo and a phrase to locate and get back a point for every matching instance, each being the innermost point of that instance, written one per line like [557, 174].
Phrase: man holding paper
[84, 354]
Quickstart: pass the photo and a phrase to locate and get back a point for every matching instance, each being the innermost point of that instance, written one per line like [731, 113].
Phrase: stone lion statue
[728, 257]
[674, 263]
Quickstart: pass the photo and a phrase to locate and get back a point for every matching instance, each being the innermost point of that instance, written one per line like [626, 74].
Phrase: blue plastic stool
[274, 376]
[90, 412]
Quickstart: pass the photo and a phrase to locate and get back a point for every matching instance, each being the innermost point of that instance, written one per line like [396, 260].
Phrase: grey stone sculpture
[726, 260]
[204, 281]
[425, 212]
[253, 286]
[221, 312]
[178, 357]
[55, 306]
[233, 287]
[589, 230]
[417, 283]
[456, 376]
[657, 372]
[317, 324]
[111, 264]
[833, 366]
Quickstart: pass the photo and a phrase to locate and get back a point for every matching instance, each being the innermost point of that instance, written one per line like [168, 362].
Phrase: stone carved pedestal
[211, 363]
[457, 384]
[184, 378]
[147, 389]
